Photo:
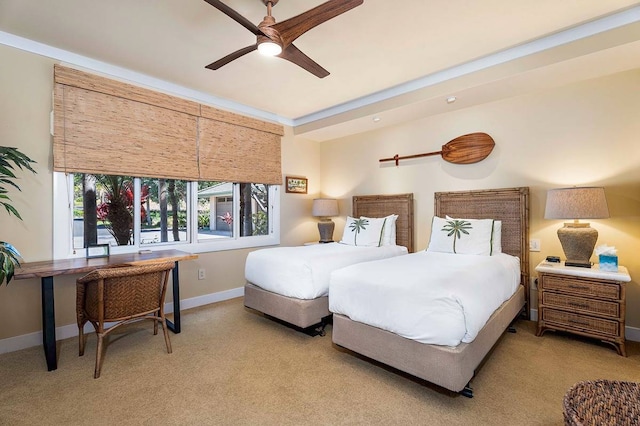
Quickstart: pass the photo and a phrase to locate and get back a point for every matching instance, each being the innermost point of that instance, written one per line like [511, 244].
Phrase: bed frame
[312, 315]
[453, 367]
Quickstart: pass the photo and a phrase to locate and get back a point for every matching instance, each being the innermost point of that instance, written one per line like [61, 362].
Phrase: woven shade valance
[103, 126]
[240, 154]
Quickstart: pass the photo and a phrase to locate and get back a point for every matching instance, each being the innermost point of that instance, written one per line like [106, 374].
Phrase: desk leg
[48, 323]
[175, 325]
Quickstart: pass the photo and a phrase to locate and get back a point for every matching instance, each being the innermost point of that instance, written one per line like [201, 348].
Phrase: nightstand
[584, 301]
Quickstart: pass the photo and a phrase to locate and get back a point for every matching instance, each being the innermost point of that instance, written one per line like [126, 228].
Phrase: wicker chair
[602, 403]
[121, 295]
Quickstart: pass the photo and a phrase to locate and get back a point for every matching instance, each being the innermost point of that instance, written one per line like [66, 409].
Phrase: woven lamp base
[578, 241]
[326, 228]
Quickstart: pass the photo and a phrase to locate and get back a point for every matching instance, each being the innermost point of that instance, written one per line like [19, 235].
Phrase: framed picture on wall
[296, 185]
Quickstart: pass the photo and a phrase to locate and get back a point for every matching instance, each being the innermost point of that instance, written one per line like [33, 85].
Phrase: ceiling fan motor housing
[270, 34]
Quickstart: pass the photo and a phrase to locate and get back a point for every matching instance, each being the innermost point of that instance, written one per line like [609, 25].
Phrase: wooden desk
[46, 270]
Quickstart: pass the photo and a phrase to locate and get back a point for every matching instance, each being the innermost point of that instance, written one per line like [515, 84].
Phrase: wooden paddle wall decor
[465, 149]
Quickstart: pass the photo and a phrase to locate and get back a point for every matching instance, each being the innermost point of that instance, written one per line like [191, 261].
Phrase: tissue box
[608, 263]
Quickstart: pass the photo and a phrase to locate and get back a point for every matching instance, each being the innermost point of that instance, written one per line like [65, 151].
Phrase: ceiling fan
[276, 39]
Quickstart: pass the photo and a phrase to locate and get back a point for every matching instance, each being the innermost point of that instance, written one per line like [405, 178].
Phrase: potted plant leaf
[10, 160]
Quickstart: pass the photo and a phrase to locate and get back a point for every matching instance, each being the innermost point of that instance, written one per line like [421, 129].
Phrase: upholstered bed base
[299, 312]
[449, 367]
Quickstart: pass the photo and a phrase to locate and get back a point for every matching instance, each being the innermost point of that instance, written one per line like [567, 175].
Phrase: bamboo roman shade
[104, 126]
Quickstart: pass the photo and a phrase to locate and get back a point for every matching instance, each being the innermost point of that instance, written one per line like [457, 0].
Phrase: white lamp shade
[576, 203]
[325, 207]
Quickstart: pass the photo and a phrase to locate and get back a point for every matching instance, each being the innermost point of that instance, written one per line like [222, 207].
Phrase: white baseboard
[630, 333]
[207, 299]
[16, 343]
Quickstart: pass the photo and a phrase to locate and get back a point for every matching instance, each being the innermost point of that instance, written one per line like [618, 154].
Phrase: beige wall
[26, 83]
[300, 157]
[582, 134]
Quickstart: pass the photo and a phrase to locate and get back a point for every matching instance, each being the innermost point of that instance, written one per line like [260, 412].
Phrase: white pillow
[363, 232]
[496, 238]
[389, 230]
[461, 236]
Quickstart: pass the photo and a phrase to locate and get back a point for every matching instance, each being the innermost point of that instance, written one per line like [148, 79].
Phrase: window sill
[209, 247]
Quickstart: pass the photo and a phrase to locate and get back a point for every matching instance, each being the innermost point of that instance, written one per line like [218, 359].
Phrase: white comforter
[434, 298]
[303, 272]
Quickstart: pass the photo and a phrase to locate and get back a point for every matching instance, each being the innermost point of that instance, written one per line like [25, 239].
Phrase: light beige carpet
[231, 366]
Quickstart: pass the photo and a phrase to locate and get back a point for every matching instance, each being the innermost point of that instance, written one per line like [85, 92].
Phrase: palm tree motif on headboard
[456, 228]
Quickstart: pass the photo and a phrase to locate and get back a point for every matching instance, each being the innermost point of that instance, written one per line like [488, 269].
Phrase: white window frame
[63, 224]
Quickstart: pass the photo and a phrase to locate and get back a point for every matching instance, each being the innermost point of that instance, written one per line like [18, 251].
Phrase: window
[217, 210]
[131, 213]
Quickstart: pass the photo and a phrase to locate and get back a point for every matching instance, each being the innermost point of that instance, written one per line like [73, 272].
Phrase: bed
[447, 364]
[291, 283]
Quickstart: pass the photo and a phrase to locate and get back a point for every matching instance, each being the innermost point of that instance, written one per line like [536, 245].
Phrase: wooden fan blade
[293, 28]
[232, 56]
[235, 16]
[295, 55]
[468, 149]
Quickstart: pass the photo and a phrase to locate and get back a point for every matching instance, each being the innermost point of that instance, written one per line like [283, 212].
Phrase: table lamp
[324, 208]
[577, 238]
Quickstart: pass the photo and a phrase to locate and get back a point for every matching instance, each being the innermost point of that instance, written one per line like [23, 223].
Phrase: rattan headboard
[510, 205]
[384, 205]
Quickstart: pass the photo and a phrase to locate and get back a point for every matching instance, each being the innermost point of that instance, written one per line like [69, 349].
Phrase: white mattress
[303, 272]
[434, 298]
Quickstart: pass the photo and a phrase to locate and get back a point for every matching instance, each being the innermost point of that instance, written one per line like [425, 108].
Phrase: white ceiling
[395, 59]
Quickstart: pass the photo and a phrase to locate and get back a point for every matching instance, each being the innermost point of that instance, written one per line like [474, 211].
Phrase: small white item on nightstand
[608, 258]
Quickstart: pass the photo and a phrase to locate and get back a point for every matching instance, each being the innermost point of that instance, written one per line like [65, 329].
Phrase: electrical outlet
[201, 274]
[534, 244]
[533, 283]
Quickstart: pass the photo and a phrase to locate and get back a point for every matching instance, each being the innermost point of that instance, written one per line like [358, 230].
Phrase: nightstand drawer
[581, 322]
[581, 287]
[594, 306]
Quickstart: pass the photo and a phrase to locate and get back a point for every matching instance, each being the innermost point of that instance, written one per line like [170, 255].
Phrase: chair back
[113, 294]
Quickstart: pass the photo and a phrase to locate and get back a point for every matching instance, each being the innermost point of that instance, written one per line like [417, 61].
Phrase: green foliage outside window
[260, 223]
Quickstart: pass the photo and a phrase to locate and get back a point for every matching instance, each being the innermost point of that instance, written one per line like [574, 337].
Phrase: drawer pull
[578, 322]
[578, 305]
[578, 287]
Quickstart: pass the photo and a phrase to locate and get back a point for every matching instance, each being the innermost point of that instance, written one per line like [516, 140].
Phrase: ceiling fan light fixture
[269, 42]
[269, 48]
